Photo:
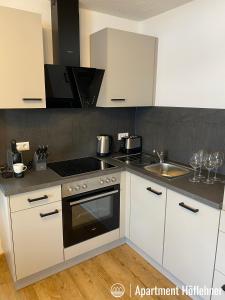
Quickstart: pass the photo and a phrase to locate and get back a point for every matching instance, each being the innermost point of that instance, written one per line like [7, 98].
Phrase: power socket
[23, 146]
[122, 135]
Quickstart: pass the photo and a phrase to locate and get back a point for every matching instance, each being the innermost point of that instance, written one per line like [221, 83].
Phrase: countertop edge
[58, 181]
[55, 179]
[176, 189]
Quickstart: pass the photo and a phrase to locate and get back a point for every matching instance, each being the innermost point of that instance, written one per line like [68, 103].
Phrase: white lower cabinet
[125, 205]
[219, 283]
[220, 257]
[148, 202]
[190, 240]
[219, 276]
[38, 238]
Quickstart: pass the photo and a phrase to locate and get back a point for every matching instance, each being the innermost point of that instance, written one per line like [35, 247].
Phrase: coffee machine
[13, 155]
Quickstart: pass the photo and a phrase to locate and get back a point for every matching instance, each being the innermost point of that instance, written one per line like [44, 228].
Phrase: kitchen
[178, 110]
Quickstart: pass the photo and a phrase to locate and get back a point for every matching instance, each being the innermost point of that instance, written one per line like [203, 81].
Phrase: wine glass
[195, 164]
[201, 154]
[219, 158]
[209, 163]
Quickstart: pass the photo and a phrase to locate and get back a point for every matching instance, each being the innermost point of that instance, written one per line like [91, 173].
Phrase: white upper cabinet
[129, 60]
[21, 60]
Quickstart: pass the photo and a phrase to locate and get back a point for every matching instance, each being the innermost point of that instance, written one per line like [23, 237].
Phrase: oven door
[90, 214]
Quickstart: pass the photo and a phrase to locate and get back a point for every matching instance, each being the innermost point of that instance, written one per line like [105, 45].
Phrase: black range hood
[67, 84]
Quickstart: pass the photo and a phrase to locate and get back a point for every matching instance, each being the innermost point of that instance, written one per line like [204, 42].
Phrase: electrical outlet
[23, 146]
[122, 135]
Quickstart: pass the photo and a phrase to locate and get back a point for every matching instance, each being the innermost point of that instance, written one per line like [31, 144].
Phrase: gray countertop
[211, 195]
[34, 180]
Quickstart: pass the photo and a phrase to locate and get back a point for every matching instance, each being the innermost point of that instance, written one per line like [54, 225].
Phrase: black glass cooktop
[79, 166]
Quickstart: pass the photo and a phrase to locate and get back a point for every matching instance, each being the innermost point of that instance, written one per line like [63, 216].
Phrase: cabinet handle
[223, 287]
[118, 99]
[194, 210]
[153, 191]
[49, 214]
[32, 99]
[37, 199]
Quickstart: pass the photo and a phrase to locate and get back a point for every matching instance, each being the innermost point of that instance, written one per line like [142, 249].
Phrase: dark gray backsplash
[72, 133]
[181, 131]
[68, 132]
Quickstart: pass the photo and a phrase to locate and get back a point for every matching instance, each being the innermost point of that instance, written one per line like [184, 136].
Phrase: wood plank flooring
[91, 280]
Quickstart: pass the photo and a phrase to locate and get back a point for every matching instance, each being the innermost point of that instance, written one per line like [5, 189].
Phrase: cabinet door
[130, 63]
[219, 283]
[190, 240]
[38, 240]
[125, 205]
[21, 60]
[147, 216]
[220, 257]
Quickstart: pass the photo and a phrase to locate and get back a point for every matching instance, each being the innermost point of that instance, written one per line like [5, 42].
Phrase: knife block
[39, 164]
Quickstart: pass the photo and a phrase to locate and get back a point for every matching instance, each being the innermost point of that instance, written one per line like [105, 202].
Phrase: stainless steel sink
[168, 170]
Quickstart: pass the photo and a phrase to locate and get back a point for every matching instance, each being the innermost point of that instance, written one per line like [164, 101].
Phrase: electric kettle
[104, 145]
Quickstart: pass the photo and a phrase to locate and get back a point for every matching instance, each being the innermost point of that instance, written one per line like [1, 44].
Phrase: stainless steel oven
[90, 208]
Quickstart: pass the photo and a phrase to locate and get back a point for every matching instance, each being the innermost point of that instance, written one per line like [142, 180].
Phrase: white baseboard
[91, 244]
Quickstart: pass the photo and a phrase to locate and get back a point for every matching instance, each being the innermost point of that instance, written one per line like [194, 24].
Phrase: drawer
[222, 221]
[35, 198]
[219, 283]
[220, 257]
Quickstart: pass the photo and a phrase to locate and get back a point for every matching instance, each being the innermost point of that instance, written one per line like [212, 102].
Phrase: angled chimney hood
[68, 84]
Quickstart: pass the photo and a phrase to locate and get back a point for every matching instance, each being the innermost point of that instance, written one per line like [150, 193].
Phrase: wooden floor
[91, 279]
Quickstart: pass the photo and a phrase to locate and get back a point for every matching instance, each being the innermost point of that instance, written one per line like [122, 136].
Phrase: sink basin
[168, 170]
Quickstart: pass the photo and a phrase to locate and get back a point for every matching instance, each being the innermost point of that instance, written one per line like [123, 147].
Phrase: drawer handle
[154, 191]
[37, 199]
[194, 210]
[49, 214]
[118, 99]
[223, 287]
[32, 99]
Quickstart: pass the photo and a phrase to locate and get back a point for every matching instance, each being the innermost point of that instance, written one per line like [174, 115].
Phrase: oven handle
[93, 198]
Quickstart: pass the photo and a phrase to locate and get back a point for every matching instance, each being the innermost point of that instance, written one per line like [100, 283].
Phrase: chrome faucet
[160, 154]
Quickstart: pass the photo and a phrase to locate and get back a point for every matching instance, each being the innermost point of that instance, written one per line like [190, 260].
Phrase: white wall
[89, 22]
[191, 57]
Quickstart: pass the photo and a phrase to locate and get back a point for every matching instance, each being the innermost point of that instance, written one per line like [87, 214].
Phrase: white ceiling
[132, 9]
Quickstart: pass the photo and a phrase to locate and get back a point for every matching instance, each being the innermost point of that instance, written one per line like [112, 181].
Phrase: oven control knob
[107, 180]
[102, 181]
[77, 188]
[113, 179]
[84, 186]
[70, 189]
